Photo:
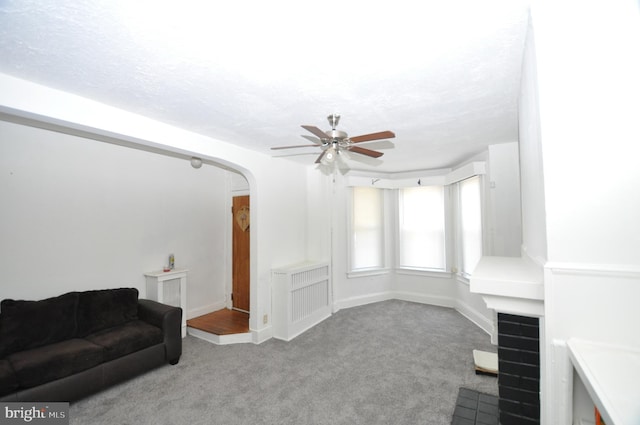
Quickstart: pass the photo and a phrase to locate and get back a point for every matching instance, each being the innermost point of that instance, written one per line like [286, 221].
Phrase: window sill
[464, 279]
[422, 272]
[365, 273]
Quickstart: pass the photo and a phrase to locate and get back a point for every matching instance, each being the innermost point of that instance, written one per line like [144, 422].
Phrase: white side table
[169, 288]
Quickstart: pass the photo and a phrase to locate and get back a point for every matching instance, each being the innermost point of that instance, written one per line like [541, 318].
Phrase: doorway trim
[234, 189]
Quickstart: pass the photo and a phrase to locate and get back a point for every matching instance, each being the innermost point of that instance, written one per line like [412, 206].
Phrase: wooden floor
[221, 322]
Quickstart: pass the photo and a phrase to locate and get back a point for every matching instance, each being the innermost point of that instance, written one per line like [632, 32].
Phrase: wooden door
[241, 237]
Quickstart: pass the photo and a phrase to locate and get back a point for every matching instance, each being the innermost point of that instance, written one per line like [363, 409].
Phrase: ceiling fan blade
[320, 157]
[294, 146]
[363, 151]
[373, 136]
[315, 130]
[378, 144]
[312, 139]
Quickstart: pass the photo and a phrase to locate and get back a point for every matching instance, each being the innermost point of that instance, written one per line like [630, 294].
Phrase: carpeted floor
[392, 362]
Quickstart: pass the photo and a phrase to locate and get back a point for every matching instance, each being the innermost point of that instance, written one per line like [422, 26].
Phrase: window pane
[470, 223]
[421, 233]
[367, 228]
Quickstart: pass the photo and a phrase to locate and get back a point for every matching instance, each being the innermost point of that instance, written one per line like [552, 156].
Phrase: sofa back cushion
[103, 309]
[30, 324]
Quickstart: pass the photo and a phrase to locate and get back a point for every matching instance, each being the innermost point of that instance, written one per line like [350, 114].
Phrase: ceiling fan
[334, 142]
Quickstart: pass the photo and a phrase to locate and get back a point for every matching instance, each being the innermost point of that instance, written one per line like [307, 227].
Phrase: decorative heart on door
[242, 218]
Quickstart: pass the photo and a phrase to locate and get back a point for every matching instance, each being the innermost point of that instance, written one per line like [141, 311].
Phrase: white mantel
[512, 285]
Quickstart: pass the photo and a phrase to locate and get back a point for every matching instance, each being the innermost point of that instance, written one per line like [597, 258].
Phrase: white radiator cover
[301, 298]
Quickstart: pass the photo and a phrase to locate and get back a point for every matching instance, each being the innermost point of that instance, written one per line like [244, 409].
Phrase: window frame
[424, 271]
[460, 273]
[386, 235]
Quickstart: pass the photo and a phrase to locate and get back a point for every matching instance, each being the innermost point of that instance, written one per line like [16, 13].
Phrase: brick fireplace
[519, 369]
[513, 287]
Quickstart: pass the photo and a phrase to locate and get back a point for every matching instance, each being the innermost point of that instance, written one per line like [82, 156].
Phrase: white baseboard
[437, 300]
[221, 339]
[482, 321]
[264, 334]
[253, 336]
[199, 311]
[361, 300]
[466, 310]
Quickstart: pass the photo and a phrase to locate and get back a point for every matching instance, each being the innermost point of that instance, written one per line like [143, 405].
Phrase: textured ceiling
[443, 75]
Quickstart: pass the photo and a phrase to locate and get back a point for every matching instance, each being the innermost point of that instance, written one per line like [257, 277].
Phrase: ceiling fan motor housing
[336, 134]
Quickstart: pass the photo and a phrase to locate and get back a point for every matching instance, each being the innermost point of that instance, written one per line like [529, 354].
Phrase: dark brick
[518, 342]
[509, 419]
[518, 329]
[464, 412]
[467, 393]
[527, 410]
[484, 412]
[457, 420]
[516, 381]
[488, 399]
[486, 419]
[517, 394]
[467, 402]
[490, 409]
[519, 356]
[511, 368]
[512, 318]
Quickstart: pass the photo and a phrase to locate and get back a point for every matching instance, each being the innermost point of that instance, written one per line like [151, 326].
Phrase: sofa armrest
[169, 319]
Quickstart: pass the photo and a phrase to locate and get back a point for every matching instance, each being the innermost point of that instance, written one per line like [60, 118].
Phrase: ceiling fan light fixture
[330, 155]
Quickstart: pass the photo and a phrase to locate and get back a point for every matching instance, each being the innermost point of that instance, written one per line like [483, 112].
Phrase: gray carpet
[392, 362]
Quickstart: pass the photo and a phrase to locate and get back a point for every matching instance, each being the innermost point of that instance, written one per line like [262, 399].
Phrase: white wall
[320, 201]
[589, 102]
[80, 214]
[534, 227]
[503, 201]
[278, 187]
[589, 98]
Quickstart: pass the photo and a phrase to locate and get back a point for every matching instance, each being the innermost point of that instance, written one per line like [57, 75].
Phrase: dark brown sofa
[67, 347]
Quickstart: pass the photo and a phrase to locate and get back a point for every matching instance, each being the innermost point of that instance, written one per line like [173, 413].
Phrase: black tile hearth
[475, 408]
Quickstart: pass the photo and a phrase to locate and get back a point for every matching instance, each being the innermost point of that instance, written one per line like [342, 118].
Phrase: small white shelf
[611, 375]
[159, 289]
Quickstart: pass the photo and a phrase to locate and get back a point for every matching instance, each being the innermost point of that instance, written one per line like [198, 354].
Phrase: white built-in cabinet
[169, 288]
[301, 298]
[607, 377]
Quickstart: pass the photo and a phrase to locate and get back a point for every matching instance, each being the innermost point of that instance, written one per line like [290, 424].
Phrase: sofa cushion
[126, 339]
[8, 379]
[30, 324]
[106, 308]
[44, 364]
